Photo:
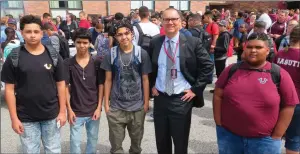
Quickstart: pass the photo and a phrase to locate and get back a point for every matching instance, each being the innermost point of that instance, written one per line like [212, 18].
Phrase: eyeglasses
[121, 34]
[166, 20]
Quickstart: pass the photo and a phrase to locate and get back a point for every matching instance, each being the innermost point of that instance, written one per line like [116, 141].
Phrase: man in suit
[181, 69]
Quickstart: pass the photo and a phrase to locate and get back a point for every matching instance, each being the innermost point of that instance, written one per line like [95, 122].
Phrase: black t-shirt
[35, 80]
[84, 85]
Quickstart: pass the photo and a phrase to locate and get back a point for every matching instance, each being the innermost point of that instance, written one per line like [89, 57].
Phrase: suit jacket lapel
[156, 50]
[182, 41]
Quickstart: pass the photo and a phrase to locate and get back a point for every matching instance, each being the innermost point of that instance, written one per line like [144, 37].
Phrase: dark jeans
[212, 57]
[220, 66]
[293, 132]
[229, 142]
[172, 120]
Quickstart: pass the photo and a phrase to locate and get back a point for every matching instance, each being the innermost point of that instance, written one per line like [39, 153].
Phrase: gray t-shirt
[127, 93]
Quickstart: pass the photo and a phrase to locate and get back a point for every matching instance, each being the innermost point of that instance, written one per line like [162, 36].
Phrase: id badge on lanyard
[173, 59]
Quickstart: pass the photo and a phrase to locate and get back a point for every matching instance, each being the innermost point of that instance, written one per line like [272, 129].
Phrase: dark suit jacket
[195, 64]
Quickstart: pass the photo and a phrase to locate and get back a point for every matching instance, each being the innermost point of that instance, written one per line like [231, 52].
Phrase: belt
[173, 95]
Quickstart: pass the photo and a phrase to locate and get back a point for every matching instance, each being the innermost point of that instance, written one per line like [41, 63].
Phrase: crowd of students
[169, 56]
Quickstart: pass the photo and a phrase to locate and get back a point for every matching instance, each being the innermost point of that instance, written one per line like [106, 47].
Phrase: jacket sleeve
[153, 74]
[204, 68]
[225, 44]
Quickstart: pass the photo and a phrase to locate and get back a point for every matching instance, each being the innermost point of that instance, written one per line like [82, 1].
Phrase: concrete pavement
[202, 134]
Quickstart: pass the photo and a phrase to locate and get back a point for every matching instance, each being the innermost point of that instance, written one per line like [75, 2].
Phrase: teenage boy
[35, 90]
[86, 79]
[126, 89]
[243, 30]
[221, 48]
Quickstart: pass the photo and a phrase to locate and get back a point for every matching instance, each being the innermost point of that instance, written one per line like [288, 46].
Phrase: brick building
[56, 8]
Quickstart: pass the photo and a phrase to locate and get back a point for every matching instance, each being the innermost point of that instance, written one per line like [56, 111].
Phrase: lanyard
[170, 56]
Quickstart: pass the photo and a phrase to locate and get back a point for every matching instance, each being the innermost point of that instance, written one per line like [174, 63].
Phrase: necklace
[128, 62]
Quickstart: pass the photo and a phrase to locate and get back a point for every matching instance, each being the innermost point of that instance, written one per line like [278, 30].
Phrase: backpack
[14, 55]
[272, 53]
[274, 71]
[102, 47]
[205, 37]
[144, 39]
[114, 54]
[64, 50]
[137, 58]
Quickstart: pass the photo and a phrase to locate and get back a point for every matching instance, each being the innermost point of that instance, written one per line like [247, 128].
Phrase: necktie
[169, 82]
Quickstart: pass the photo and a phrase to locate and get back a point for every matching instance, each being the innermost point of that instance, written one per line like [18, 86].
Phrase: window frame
[153, 3]
[2, 6]
[188, 3]
[67, 6]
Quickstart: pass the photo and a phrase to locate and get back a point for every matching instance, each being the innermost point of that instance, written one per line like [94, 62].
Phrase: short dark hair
[123, 24]
[47, 26]
[143, 12]
[209, 13]
[82, 33]
[119, 16]
[30, 19]
[259, 36]
[196, 16]
[240, 14]
[46, 15]
[155, 16]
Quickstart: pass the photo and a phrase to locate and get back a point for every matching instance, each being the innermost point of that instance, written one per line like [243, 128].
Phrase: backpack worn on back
[15, 53]
[144, 40]
[205, 37]
[274, 71]
[102, 45]
[64, 50]
[272, 53]
[114, 54]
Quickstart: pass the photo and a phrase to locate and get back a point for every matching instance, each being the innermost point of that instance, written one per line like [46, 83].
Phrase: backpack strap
[233, 69]
[113, 52]
[138, 27]
[275, 73]
[138, 53]
[53, 54]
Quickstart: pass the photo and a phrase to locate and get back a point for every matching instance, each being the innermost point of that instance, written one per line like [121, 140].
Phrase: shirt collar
[174, 39]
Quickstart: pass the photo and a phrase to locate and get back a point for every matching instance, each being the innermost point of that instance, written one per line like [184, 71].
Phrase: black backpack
[15, 53]
[274, 71]
[271, 55]
[205, 37]
[144, 40]
[64, 50]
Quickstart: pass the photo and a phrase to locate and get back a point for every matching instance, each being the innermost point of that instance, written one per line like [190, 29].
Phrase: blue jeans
[92, 128]
[235, 144]
[35, 131]
[293, 132]
[212, 57]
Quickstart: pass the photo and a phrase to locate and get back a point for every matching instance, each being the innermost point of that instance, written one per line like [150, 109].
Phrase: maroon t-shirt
[278, 28]
[251, 102]
[290, 61]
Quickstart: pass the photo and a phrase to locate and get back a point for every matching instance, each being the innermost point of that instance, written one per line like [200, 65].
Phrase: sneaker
[151, 116]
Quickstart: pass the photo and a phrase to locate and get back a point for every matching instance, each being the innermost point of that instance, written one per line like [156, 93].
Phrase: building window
[181, 5]
[65, 4]
[61, 8]
[14, 8]
[138, 4]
